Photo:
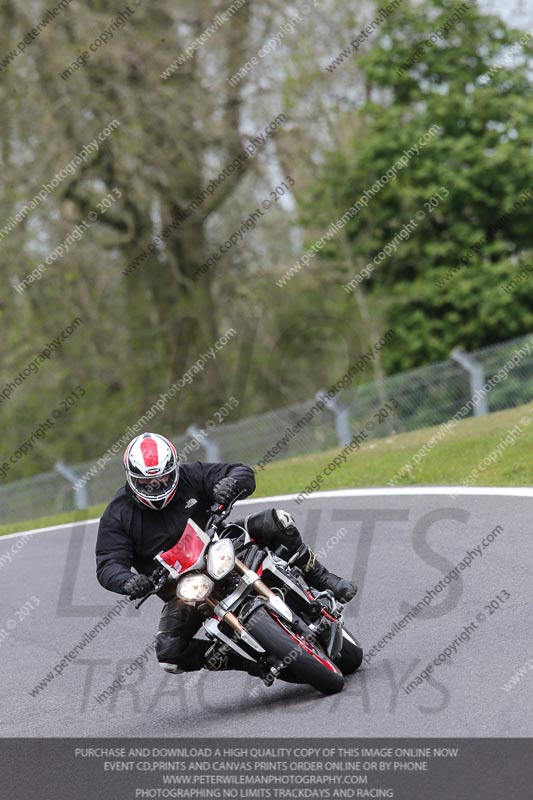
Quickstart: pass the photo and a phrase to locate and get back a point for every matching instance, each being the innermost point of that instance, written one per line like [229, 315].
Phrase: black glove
[225, 491]
[138, 586]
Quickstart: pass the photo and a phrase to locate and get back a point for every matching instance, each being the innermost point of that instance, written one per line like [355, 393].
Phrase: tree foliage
[482, 158]
[343, 130]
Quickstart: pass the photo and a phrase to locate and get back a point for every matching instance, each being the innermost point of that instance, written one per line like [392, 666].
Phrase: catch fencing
[415, 399]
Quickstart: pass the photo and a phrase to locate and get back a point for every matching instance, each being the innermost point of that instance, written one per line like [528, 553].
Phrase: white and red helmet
[151, 465]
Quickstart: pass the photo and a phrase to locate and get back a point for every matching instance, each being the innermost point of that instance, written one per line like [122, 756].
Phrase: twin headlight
[194, 587]
[220, 558]
[220, 561]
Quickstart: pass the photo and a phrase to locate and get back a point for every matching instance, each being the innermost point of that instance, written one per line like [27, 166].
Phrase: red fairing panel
[187, 552]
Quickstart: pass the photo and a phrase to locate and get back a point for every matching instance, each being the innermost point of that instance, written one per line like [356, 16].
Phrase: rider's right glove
[225, 491]
[138, 586]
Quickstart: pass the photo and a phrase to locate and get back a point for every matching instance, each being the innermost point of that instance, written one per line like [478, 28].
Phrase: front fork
[222, 609]
[262, 589]
[253, 579]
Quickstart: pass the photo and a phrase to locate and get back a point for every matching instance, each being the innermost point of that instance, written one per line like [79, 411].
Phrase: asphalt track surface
[396, 545]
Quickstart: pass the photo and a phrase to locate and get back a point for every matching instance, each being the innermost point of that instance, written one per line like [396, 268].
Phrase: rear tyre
[350, 657]
[305, 661]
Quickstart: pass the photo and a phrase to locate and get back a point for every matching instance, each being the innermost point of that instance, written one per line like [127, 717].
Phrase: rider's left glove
[225, 491]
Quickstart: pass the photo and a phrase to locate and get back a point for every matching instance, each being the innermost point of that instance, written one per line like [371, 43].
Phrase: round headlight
[220, 558]
[194, 587]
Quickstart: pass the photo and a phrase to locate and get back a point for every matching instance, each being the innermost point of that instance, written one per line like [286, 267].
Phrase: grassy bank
[450, 462]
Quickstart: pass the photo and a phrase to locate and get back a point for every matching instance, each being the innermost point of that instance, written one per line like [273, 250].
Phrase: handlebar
[218, 512]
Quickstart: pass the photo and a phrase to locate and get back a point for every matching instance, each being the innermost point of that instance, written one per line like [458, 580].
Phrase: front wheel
[301, 658]
[350, 655]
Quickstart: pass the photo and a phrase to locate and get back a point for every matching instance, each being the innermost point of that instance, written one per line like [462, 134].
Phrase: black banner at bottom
[133, 769]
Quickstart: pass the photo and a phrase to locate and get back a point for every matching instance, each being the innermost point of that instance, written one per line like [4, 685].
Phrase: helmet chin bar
[155, 505]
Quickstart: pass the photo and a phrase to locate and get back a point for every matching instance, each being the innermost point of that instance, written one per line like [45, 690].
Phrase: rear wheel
[350, 656]
[301, 658]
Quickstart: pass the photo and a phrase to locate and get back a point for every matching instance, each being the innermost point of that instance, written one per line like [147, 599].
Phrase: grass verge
[451, 461]
[54, 519]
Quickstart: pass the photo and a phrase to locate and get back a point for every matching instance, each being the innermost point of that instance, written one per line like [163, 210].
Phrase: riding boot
[231, 660]
[319, 577]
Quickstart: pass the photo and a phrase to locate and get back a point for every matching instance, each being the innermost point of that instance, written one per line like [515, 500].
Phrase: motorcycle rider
[147, 515]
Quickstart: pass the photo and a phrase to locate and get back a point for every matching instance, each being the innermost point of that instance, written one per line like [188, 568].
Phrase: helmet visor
[159, 487]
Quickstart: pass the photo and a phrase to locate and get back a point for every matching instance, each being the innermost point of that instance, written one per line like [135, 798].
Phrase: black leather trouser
[175, 643]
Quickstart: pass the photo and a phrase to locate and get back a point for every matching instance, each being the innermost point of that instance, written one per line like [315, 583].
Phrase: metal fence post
[341, 415]
[81, 499]
[210, 445]
[477, 379]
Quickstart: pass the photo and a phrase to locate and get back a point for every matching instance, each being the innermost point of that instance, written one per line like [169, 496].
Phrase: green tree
[431, 66]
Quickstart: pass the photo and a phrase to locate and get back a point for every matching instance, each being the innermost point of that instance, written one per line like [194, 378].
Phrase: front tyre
[350, 656]
[302, 659]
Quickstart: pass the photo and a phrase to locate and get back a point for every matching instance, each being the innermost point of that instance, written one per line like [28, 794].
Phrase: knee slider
[284, 519]
[172, 668]
[288, 533]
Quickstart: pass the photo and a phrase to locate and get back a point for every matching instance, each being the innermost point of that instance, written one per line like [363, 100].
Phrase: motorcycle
[257, 605]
